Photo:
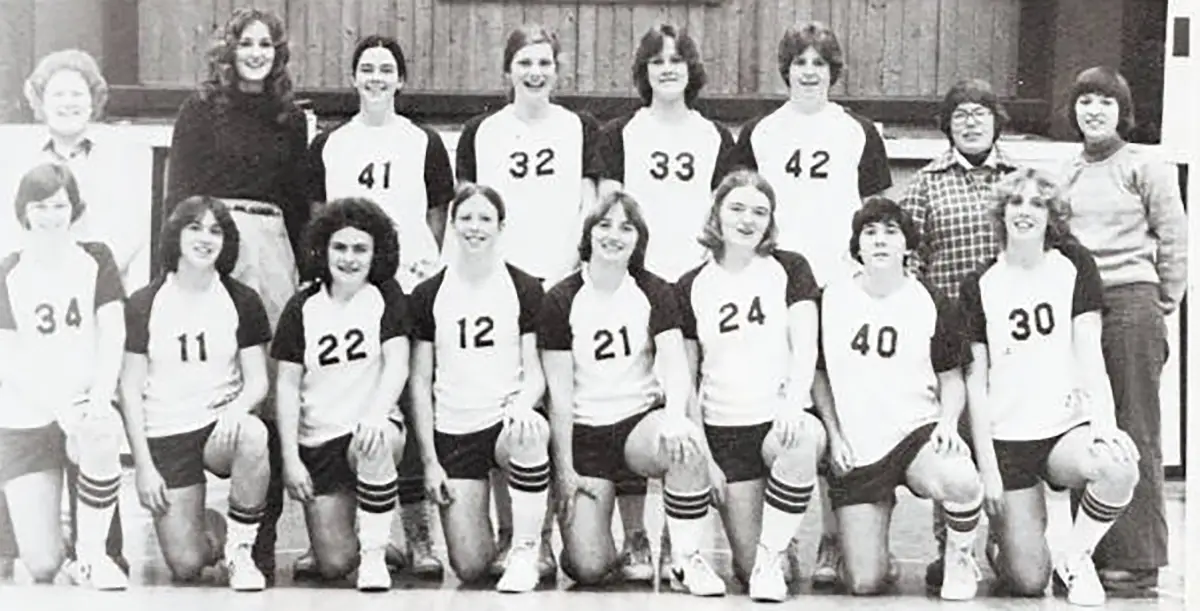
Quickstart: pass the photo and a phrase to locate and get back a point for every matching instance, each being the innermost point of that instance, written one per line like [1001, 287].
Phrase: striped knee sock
[376, 506]
[529, 487]
[784, 505]
[685, 520]
[243, 525]
[97, 501]
[961, 521]
[1094, 519]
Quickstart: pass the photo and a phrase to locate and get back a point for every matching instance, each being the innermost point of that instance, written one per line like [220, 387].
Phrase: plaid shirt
[950, 204]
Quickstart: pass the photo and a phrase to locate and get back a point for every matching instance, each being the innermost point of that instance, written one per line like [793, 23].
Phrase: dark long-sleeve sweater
[240, 151]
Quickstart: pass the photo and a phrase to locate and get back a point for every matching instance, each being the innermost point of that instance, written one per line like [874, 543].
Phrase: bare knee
[1028, 582]
[42, 568]
[960, 483]
[588, 572]
[378, 462]
[529, 449]
[864, 583]
[798, 462]
[252, 438]
[1119, 477]
[337, 565]
[469, 570]
[187, 567]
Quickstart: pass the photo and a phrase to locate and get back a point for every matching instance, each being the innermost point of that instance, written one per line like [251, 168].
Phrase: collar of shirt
[83, 149]
[952, 158]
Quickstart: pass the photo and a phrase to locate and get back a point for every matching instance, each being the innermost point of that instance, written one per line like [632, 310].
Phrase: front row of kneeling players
[704, 384]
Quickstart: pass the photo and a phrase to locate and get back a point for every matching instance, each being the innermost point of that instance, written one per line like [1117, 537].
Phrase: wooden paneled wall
[894, 48]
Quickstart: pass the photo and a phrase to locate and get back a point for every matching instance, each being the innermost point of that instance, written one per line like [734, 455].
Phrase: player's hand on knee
[152, 490]
[570, 486]
[370, 436]
[791, 430]
[525, 425]
[1117, 442]
[841, 457]
[946, 440]
[677, 439]
[225, 433]
[436, 484]
[993, 493]
[298, 481]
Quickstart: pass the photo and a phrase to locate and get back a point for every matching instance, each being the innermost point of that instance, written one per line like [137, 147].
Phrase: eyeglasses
[979, 114]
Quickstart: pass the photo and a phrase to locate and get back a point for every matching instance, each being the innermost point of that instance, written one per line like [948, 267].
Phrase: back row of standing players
[596, 328]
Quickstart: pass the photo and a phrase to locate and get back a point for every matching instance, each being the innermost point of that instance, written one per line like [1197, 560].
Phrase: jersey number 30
[48, 323]
[1043, 321]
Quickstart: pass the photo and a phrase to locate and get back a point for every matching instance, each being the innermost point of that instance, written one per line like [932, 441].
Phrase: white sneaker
[960, 579]
[698, 577]
[829, 556]
[767, 581]
[521, 568]
[244, 576]
[99, 574]
[373, 575]
[1083, 584]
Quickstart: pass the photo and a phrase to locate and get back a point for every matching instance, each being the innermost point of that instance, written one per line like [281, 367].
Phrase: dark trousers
[1135, 350]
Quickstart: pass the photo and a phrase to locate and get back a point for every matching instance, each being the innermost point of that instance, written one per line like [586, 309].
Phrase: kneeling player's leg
[686, 493]
[1107, 479]
[188, 542]
[589, 553]
[415, 513]
[31, 477]
[94, 440]
[468, 527]
[952, 482]
[737, 451]
[863, 533]
[523, 449]
[374, 466]
[238, 448]
[330, 516]
[1024, 557]
[34, 509]
[790, 485]
[8, 541]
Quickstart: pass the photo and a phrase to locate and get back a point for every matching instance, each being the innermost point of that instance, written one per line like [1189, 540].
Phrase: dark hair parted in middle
[880, 209]
[812, 34]
[467, 190]
[1105, 81]
[685, 46]
[359, 213]
[189, 211]
[383, 42]
[633, 214]
[42, 181]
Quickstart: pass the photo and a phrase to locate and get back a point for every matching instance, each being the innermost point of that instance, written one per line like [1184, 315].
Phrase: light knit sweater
[1126, 208]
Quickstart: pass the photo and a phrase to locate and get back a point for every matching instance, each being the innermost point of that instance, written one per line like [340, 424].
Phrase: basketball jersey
[538, 169]
[740, 320]
[401, 166]
[50, 312]
[611, 338]
[1025, 318]
[192, 343]
[341, 348]
[476, 333]
[821, 167]
[883, 356]
[671, 170]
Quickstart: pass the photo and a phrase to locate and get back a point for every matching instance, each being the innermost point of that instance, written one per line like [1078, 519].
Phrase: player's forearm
[952, 395]
[422, 416]
[110, 352]
[802, 336]
[133, 408]
[976, 384]
[533, 390]
[392, 378]
[822, 396]
[287, 407]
